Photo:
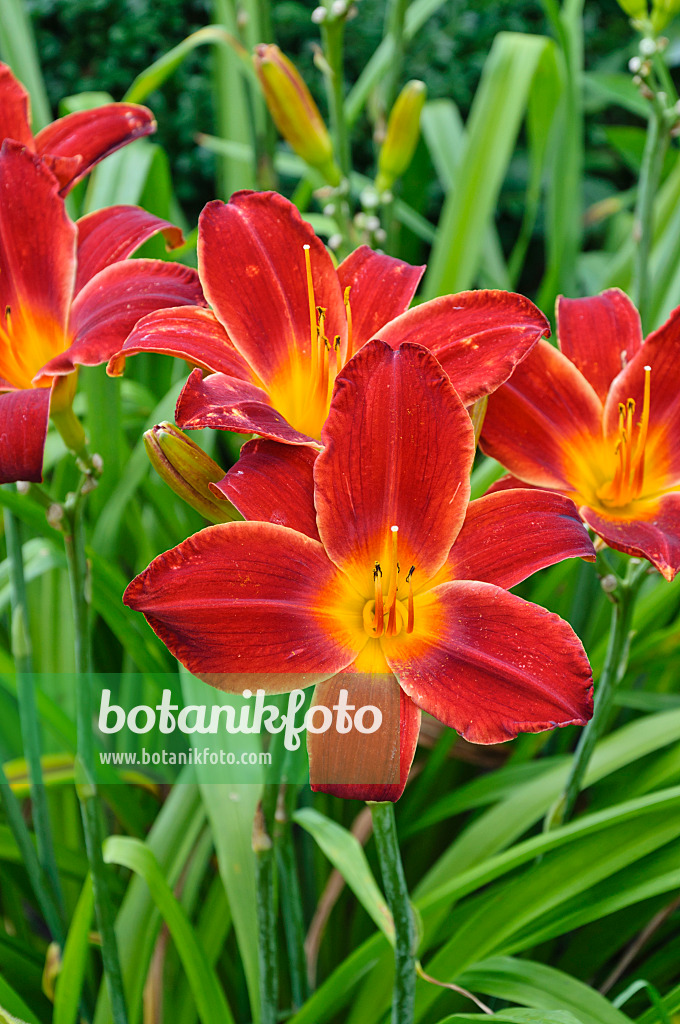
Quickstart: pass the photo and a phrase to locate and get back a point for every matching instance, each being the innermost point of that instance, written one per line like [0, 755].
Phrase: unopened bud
[663, 12]
[401, 138]
[188, 471]
[294, 111]
[634, 8]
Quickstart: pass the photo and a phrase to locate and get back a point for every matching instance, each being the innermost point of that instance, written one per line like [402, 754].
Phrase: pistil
[628, 479]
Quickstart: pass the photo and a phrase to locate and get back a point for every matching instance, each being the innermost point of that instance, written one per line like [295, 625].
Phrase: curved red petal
[273, 483]
[109, 306]
[661, 351]
[15, 109]
[599, 335]
[37, 265]
[252, 265]
[399, 448]
[653, 534]
[244, 600]
[24, 416]
[363, 766]
[188, 332]
[508, 535]
[491, 665]
[532, 421]
[478, 337]
[110, 235]
[91, 135]
[380, 289]
[224, 403]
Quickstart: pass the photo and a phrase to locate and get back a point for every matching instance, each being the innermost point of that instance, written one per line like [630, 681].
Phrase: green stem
[404, 991]
[394, 27]
[332, 33]
[650, 176]
[291, 897]
[616, 661]
[85, 783]
[265, 881]
[28, 713]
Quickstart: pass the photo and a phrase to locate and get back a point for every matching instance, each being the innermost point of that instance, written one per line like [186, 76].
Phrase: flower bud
[401, 138]
[294, 111]
[634, 8]
[663, 12]
[188, 471]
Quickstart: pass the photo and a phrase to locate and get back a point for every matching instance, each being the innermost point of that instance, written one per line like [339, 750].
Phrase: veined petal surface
[15, 110]
[599, 334]
[380, 289]
[652, 531]
[114, 233]
[491, 665]
[24, 416]
[245, 599]
[398, 450]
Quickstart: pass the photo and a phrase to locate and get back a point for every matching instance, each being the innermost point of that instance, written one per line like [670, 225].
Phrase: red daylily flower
[67, 297]
[599, 420]
[284, 322]
[368, 568]
[71, 145]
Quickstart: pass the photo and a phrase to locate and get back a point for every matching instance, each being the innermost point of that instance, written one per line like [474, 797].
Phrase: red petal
[37, 264]
[224, 403]
[241, 605]
[109, 306]
[15, 110]
[252, 265]
[532, 420]
[661, 351]
[24, 416]
[478, 337]
[188, 332]
[364, 766]
[599, 335]
[509, 535]
[491, 665]
[512, 483]
[399, 447]
[109, 235]
[90, 135]
[381, 288]
[653, 534]
[273, 483]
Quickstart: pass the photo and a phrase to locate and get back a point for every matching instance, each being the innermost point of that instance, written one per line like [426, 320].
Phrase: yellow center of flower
[386, 613]
[627, 482]
[28, 340]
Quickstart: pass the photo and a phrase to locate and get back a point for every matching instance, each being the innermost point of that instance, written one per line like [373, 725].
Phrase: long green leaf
[69, 986]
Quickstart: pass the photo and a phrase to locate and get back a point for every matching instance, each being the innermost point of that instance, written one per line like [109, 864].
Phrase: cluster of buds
[662, 12]
[188, 471]
[401, 136]
[294, 111]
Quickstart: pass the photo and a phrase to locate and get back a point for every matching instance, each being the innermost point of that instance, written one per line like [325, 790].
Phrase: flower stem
[616, 661]
[389, 856]
[332, 32]
[650, 176]
[28, 713]
[394, 27]
[85, 782]
[265, 881]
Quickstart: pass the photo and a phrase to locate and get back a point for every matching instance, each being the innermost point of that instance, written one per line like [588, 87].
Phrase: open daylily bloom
[600, 421]
[369, 570]
[68, 296]
[284, 322]
[71, 145]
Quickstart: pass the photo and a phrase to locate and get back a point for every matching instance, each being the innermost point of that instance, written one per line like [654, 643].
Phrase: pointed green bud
[188, 471]
[663, 12]
[401, 138]
[634, 9]
[294, 111]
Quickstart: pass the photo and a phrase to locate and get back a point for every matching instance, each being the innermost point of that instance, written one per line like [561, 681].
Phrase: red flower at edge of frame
[599, 421]
[325, 595]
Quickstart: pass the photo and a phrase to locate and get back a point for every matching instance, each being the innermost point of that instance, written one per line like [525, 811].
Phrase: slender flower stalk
[616, 662]
[394, 28]
[30, 721]
[85, 783]
[333, 37]
[650, 176]
[266, 903]
[391, 868]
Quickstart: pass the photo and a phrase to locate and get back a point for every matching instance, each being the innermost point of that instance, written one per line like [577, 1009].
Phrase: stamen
[312, 311]
[348, 311]
[642, 436]
[379, 611]
[392, 591]
[411, 613]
